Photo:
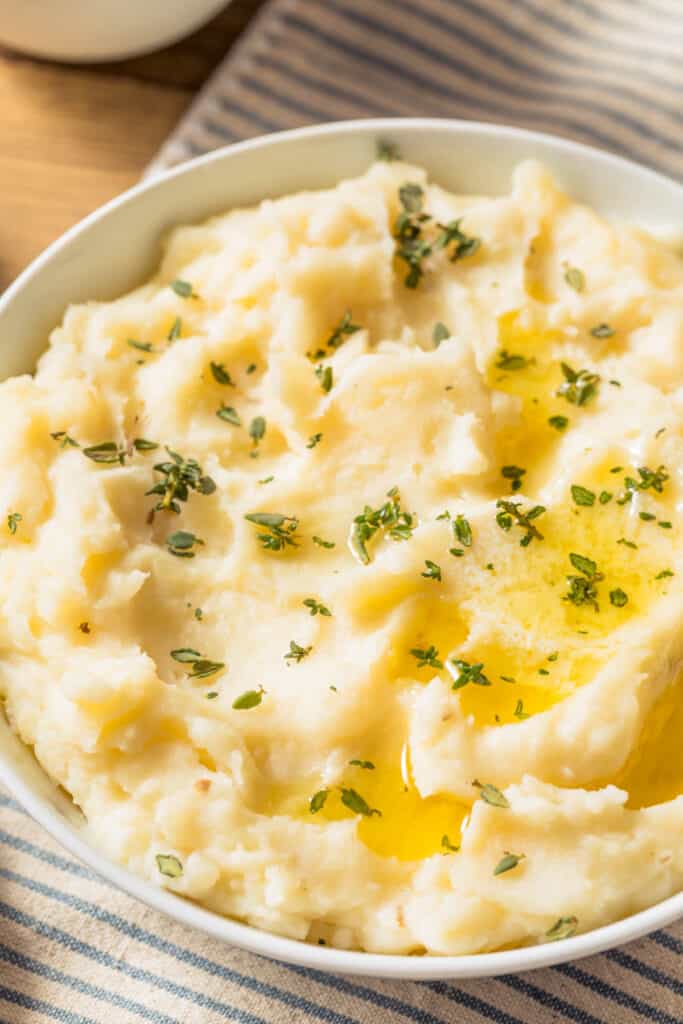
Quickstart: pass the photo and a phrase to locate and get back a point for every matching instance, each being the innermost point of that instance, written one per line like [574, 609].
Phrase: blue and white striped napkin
[606, 72]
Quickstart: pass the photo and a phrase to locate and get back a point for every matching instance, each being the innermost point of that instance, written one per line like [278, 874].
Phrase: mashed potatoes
[341, 566]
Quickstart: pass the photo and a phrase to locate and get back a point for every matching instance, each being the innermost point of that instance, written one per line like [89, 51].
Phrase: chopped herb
[432, 572]
[605, 497]
[563, 928]
[257, 430]
[323, 543]
[387, 150]
[440, 333]
[184, 289]
[106, 453]
[602, 331]
[664, 574]
[618, 598]
[452, 235]
[249, 699]
[280, 529]
[297, 653]
[211, 695]
[142, 346]
[181, 543]
[511, 513]
[220, 374]
[64, 440]
[427, 656]
[447, 846]
[543, 672]
[575, 278]
[411, 247]
[665, 524]
[462, 531]
[185, 655]
[647, 517]
[266, 480]
[559, 422]
[169, 865]
[344, 329]
[583, 589]
[579, 386]
[582, 496]
[650, 479]
[508, 361]
[13, 520]
[313, 440]
[508, 679]
[315, 607]
[616, 469]
[519, 711]
[229, 415]
[357, 763]
[491, 794]
[325, 376]
[84, 627]
[141, 444]
[198, 614]
[389, 518]
[554, 656]
[614, 383]
[514, 474]
[175, 330]
[355, 802]
[180, 476]
[507, 862]
[627, 543]
[490, 567]
[468, 674]
[201, 667]
[251, 368]
[317, 801]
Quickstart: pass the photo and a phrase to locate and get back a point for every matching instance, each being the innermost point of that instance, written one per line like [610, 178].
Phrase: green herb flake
[665, 524]
[179, 477]
[181, 543]
[664, 574]
[514, 474]
[221, 375]
[323, 543]
[184, 289]
[519, 712]
[507, 862]
[248, 700]
[313, 440]
[582, 496]
[107, 453]
[558, 422]
[491, 794]
[279, 530]
[604, 497]
[440, 333]
[141, 346]
[141, 444]
[318, 800]
[462, 531]
[389, 518]
[175, 330]
[602, 330]
[575, 278]
[511, 513]
[647, 517]
[344, 329]
[447, 846]
[563, 928]
[509, 361]
[315, 607]
[432, 571]
[579, 386]
[583, 588]
[427, 656]
[266, 480]
[387, 150]
[13, 520]
[468, 673]
[627, 543]
[325, 376]
[169, 865]
[357, 763]
[355, 802]
[212, 694]
[257, 430]
[618, 597]
[296, 652]
[229, 415]
[198, 614]
[65, 441]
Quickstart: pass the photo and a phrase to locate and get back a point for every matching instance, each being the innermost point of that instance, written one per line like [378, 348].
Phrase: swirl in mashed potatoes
[340, 566]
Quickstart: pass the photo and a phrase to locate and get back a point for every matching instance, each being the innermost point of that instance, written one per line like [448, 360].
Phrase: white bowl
[98, 30]
[115, 248]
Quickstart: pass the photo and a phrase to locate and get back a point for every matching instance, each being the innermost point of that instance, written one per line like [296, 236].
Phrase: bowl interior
[113, 250]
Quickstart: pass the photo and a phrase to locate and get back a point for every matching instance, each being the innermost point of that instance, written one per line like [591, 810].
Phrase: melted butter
[96, 566]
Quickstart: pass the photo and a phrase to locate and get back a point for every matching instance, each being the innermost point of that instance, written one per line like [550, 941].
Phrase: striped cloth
[607, 72]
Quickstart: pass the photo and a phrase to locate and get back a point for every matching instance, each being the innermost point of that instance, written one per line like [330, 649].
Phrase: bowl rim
[248, 937]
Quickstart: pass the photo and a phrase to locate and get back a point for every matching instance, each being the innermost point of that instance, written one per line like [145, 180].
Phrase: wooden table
[72, 137]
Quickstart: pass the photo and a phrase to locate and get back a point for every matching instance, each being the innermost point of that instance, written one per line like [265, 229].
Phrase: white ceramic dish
[99, 30]
[115, 247]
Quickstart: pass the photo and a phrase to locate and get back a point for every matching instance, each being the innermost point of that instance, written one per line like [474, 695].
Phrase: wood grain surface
[72, 137]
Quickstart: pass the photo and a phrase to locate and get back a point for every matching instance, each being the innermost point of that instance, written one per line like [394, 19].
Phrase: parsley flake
[221, 375]
[389, 518]
[511, 513]
[228, 415]
[323, 543]
[583, 588]
[344, 329]
[618, 597]
[563, 928]
[432, 571]
[315, 607]
[141, 346]
[468, 673]
[13, 520]
[514, 474]
[558, 422]
[325, 376]
[509, 361]
[296, 652]
[280, 529]
[355, 802]
[427, 656]
[318, 800]
[357, 763]
[579, 386]
[179, 477]
[507, 862]
[582, 496]
[519, 711]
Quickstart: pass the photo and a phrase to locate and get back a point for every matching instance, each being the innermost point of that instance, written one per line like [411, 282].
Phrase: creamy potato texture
[340, 566]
